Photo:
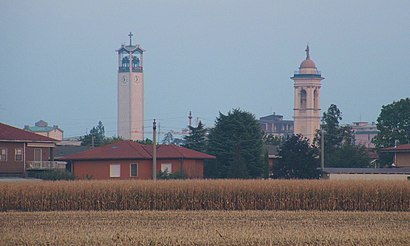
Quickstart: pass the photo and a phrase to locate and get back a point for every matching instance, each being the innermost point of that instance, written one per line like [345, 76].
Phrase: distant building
[275, 125]
[41, 127]
[366, 173]
[401, 155]
[69, 146]
[273, 157]
[64, 150]
[399, 171]
[307, 83]
[364, 133]
[69, 142]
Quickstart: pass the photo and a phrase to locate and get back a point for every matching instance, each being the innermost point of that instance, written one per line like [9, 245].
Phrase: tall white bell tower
[307, 82]
[130, 122]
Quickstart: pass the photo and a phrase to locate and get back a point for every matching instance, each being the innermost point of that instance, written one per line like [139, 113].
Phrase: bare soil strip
[204, 228]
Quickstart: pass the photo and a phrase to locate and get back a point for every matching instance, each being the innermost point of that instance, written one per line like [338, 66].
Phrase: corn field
[322, 195]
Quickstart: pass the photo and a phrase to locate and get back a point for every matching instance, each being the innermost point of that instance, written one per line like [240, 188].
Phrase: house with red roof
[21, 151]
[132, 160]
[399, 171]
[401, 154]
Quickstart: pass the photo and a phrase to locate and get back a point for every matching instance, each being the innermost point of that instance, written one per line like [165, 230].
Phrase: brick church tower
[307, 82]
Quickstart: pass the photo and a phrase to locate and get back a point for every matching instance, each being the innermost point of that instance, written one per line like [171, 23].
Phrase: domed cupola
[307, 67]
[307, 63]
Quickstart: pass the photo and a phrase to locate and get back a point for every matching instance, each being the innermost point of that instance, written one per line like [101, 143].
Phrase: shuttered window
[115, 170]
[3, 154]
[18, 154]
[166, 167]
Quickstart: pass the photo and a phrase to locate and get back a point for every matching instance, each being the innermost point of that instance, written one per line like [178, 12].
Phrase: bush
[167, 175]
[54, 175]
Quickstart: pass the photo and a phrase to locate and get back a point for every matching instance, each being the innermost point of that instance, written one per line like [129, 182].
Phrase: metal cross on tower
[307, 52]
[130, 35]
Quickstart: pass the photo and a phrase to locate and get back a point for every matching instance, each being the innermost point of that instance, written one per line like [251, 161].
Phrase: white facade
[130, 123]
[367, 176]
[56, 134]
[41, 128]
[402, 173]
[307, 83]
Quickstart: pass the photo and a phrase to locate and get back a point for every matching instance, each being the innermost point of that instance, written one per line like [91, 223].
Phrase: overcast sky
[58, 61]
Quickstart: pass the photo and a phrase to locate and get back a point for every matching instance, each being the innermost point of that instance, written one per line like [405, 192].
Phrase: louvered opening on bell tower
[130, 58]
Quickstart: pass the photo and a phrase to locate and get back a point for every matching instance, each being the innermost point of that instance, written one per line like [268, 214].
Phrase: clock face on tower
[136, 79]
[124, 79]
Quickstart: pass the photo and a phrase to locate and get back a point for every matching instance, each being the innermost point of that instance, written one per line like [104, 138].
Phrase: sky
[58, 59]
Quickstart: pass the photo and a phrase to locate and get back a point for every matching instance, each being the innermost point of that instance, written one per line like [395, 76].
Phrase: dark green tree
[168, 138]
[95, 137]
[270, 139]
[266, 165]
[210, 168]
[178, 141]
[238, 167]
[393, 124]
[335, 135]
[196, 139]
[236, 141]
[146, 141]
[340, 150]
[299, 160]
[110, 140]
[349, 156]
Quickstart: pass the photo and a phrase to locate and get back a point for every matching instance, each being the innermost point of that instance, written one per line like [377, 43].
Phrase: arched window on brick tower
[303, 99]
[315, 101]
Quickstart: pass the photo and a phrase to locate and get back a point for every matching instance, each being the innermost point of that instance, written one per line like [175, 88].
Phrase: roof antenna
[190, 119]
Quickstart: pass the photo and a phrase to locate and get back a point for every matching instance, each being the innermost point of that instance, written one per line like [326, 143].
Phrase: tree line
[238, 143]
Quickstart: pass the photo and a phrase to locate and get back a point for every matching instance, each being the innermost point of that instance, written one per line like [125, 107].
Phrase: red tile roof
[10, 133]
[175, 151]
[399, 148]
[134, 150]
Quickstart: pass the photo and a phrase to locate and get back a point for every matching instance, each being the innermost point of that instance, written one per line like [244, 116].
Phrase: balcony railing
[40, 165]
[297, 72]
[137, 69]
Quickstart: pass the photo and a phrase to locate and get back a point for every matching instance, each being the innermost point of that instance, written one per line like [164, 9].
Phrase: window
[38, 155]
[115, 170]
[3, 154]
[134, 170]
[166, 167]
[19, 154]
[303, 99]
[315, 100]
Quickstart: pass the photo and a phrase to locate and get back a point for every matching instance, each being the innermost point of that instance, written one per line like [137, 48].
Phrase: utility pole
[322, 150]
[396, 142]
[154, 151]
[159, 132]
[92, 141]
